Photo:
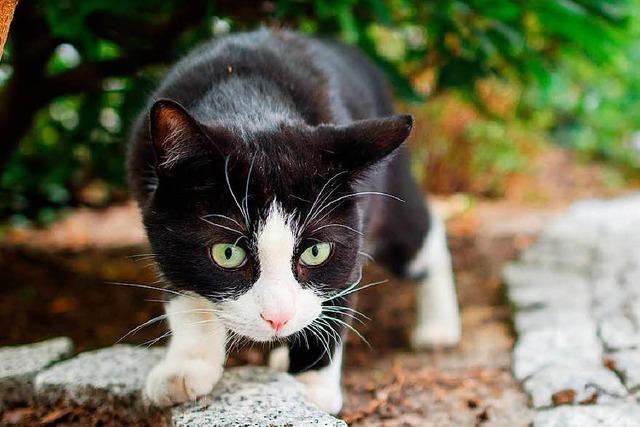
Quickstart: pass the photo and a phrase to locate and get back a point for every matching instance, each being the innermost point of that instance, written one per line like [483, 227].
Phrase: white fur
[322, 386]
[279, 359]
[438, 320]
[195, 358]
[276, 291]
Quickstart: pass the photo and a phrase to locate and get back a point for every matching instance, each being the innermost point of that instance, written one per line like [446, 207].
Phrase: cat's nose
[276, 320]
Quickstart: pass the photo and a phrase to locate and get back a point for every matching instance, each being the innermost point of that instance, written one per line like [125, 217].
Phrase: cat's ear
[176, 135]
[362, 144]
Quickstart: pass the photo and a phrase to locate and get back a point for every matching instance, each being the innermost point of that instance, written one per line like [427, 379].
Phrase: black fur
[291, 111]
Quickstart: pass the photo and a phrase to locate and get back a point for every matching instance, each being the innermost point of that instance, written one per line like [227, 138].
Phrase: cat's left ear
[177, 136]
[362, 144]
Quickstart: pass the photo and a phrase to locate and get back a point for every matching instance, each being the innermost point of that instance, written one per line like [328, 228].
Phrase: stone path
[576, 294]
[112, 379]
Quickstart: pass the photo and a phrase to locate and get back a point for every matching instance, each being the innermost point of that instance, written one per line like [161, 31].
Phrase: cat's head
[264, 225]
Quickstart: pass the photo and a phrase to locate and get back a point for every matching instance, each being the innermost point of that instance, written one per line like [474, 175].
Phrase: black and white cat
[266, 166]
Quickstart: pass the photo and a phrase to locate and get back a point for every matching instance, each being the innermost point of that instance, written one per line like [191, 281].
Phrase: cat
[268, 165]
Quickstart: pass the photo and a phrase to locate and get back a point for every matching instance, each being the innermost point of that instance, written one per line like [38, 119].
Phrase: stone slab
[567, 346]
[19, 365]
[114, 375]
[251, 396]
[623, 415]
[627, 364]
[587, 383]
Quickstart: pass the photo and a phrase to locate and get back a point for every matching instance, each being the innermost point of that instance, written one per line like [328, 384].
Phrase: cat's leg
[317, 365]
[194, 361]
[438, 317]
[410, 239]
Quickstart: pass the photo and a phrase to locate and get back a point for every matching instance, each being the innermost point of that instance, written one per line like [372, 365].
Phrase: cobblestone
[576, 294]
[20, 364]
[112, 379]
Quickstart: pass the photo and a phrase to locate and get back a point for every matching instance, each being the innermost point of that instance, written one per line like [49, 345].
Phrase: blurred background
[492, 84]
[521, 107]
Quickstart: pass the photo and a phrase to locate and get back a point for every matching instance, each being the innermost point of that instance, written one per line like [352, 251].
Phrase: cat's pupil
[228, 252]
[314, 251]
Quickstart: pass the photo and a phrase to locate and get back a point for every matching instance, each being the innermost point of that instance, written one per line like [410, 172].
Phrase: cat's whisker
[342, 313]
[138, 285]
[245, 201]
[318, 330]
[366, 255]
[345, 308]
[223, 217]
[235, 199]
[347, 325]
[222, 226]
[331, 332]
[160, 318]
[313, 206]
[360, 193]
[351, 290]
[151, 342]
[338, 225]
[143, 256]
[348, 288]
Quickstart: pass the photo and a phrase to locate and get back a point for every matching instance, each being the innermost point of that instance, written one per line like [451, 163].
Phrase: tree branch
[7, 8]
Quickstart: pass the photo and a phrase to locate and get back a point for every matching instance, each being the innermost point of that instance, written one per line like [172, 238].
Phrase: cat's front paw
[279, 359]
[174, 381]
[436, 335]
[327, 397]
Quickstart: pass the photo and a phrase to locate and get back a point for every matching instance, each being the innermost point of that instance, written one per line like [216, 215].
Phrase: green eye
[316, 254]
[228, 255]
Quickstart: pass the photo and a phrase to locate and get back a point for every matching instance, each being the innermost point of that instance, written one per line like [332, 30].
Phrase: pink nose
[276, 320]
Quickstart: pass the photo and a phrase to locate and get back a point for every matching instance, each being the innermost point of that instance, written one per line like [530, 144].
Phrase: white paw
[436, 335]
[279, 359]
[174, 381]
[325, 396]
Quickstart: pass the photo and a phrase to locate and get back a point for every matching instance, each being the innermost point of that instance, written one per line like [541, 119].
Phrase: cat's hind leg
[194, 360]
[410, 240]
[438, 317]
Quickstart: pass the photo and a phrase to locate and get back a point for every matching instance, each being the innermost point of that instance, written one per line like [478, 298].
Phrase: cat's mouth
[263, 331]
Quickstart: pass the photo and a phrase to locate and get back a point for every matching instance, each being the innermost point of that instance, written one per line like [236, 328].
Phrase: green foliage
[566, 56]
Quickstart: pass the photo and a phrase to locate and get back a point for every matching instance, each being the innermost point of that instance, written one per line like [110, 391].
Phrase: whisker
[351, 290]
[222, 226]
[338, 225]
[360, 193]
[155, 340]
[367, 256]
[313, 206]
[137, 285]
[345, 324]
[245, 201]
[226, 175]
[224, 217]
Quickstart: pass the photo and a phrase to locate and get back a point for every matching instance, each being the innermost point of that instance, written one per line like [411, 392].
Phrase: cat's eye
[228, 255]
[316, 254]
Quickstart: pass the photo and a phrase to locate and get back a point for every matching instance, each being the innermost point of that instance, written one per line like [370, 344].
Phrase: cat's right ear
[176, 135]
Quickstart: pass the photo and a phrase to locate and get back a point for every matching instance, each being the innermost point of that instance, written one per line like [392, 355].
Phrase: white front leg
[322, 386]
[196, 354]
[438, 318]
